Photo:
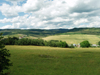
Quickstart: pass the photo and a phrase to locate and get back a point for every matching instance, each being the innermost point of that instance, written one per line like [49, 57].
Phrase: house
[20, 37]
[74, 45]
[94, 45]
[78, 45]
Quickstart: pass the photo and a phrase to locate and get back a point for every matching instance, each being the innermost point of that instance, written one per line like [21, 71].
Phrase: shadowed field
[37, 60]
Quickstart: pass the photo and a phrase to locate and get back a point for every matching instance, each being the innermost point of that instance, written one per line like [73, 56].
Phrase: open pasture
[38, 60]
[75, 39]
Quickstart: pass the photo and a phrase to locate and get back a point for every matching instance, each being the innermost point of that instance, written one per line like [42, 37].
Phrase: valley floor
[39, 60]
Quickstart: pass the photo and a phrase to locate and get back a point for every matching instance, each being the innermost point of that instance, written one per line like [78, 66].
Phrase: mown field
[38, 60]
[75, 38]
[70, 39]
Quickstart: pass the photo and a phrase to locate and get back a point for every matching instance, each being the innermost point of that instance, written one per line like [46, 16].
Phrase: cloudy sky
[49, 14]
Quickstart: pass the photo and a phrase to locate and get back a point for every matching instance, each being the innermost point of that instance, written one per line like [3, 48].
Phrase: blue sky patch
[21, 13]
[4, 24]
[1, 16]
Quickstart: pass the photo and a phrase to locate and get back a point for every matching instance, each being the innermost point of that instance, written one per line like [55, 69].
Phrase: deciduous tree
[85, 44]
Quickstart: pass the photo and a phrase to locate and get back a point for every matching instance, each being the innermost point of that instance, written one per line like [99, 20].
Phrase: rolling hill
[32, 32]
[44, 32]
[91, 31]
[78, 35]
[71, 36]
[75, 39]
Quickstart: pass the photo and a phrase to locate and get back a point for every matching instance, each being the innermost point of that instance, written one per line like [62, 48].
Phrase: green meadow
[39, 60]
[75, 39]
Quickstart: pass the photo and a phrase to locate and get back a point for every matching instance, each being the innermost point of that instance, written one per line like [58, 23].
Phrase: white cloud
[6, 27]
[77, 22]
[5, 20]
[59, 19]
[51, 14]
[30, 6]
[10, 11]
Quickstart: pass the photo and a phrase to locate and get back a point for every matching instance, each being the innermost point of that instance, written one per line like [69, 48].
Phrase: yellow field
[74, 39]
[70, 39]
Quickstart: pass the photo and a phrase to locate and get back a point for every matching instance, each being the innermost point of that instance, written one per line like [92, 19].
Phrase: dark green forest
[33, 32]
[35, 42]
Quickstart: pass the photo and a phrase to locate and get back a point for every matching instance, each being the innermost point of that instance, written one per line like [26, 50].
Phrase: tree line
[41, 42]
[36, 42]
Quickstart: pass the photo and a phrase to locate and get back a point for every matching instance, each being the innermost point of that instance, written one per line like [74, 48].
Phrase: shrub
[57, 43]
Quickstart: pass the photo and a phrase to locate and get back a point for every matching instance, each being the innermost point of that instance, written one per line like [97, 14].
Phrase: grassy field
[69, 38]
[75, 39]
[38, 60]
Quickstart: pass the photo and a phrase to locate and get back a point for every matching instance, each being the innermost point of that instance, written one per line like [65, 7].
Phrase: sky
[49, 14]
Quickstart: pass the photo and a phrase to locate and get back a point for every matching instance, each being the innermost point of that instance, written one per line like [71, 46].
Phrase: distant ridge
[33, 32]
[92, 31]
[44, 32]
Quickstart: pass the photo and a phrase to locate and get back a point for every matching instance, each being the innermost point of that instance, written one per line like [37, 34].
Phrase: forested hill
[33, 32]
[44, 33]
[92, 31]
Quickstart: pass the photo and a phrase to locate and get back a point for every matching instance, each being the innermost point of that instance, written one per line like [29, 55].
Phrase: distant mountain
[92, 31]
[33, 32]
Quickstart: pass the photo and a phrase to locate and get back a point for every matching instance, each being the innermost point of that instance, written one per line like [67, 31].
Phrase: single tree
[85, 44]
[4, 60]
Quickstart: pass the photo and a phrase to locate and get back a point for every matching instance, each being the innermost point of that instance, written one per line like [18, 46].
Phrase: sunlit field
[70, 39]
[75, 39]
[38, 60]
